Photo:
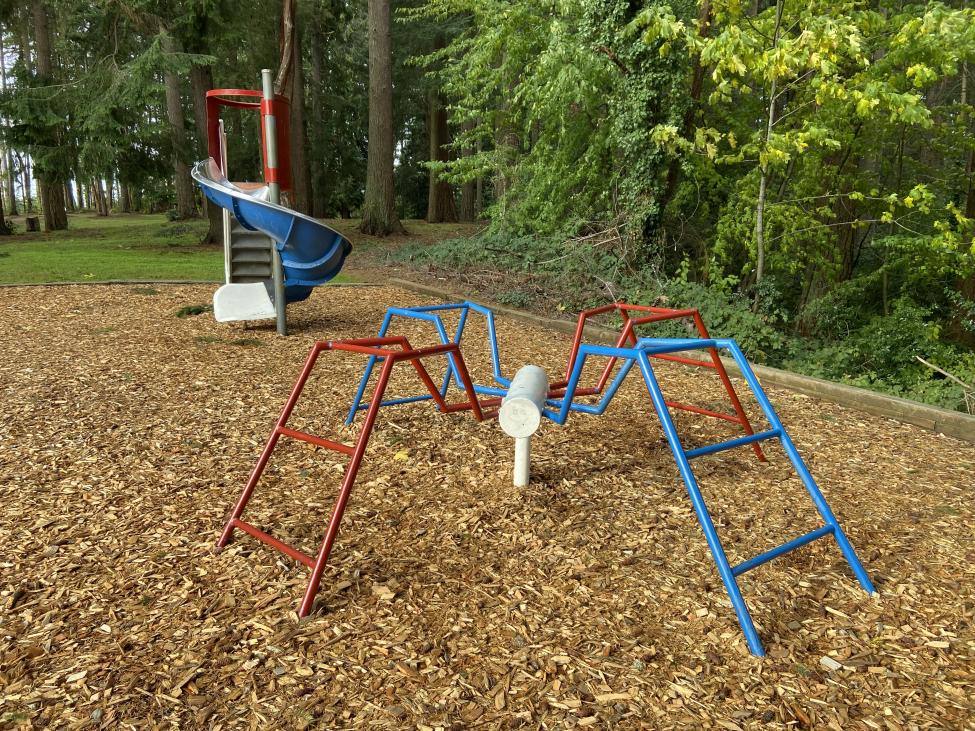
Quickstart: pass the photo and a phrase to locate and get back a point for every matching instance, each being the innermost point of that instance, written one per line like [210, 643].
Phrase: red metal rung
[318, 441]
[685, 361]
[273, 542]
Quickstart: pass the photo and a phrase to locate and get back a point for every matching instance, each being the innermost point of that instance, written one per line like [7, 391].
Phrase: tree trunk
[379, 210]
[201, 81]
[7, 159]
[763, 181]
[966, 285]
[185, 203]
[318, 123]
[25, 182]
[440, 197]
[468, 191]
[124, 198]
[7, 174]
[52, 205]
[479, 188]
[51, 188]
[300, 170]
[69, 197]
[101, 203]
[4, 228]
[441, 207]
[970, 164]
[286, 65]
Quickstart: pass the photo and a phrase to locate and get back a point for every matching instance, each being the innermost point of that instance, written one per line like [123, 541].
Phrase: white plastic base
[250, 301]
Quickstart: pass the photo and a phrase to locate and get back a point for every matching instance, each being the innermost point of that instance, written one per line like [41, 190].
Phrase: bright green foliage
[854, 88]
[561, 96]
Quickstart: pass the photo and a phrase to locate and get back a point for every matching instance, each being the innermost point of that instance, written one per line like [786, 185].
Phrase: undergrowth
[836, 338]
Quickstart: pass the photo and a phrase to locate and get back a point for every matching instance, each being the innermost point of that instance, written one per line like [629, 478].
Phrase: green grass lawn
[150, 247]
[117, 247]
[121, 246]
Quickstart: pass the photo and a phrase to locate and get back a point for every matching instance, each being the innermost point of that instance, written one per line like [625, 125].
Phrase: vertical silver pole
[224, 213]
[271, 157]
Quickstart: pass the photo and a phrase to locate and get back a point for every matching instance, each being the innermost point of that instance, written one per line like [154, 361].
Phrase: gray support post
[225, 213]
[271, 157]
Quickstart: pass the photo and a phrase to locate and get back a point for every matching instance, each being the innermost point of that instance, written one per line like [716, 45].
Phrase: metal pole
[274, 188]
[224, 212]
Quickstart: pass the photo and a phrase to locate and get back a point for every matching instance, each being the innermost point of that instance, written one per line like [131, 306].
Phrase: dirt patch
[452, 599]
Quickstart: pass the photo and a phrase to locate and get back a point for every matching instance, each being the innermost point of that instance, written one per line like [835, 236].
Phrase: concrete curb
[932, 418]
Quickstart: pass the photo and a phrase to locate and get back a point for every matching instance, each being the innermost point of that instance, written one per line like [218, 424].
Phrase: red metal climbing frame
[383, 349]
[390, 350]
[627, 335]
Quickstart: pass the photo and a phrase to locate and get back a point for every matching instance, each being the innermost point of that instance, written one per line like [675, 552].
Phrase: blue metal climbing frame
[430, 313]
[641, 354]
[562, 404]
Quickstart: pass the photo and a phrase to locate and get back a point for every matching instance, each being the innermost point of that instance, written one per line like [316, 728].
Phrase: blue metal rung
[395, 401]
[732, 443]
[795, 543]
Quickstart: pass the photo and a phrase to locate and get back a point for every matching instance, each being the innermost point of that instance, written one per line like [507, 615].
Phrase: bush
[880, 355]
[727, 316]
[844, 309]
[887, 344]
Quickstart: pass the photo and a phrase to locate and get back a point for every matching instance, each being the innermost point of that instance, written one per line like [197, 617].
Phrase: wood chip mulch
[452, 599]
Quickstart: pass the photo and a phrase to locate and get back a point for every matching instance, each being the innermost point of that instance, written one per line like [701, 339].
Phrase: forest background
[802, 172]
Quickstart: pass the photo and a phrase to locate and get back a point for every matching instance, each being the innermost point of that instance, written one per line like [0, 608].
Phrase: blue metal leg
[364, 381]
[452, 370]
[703, 516]
[793, 454]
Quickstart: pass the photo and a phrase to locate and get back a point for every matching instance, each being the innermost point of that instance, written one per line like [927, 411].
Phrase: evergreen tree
[379, 210]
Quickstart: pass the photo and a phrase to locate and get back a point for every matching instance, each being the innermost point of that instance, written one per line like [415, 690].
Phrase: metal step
[236, 227]
[251, 272]
[250, 254]
[256, 244]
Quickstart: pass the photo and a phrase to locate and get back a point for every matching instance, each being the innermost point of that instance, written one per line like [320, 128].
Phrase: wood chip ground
[452, 600]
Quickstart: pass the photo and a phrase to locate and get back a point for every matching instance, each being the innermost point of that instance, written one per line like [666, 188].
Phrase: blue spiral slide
[311, 252]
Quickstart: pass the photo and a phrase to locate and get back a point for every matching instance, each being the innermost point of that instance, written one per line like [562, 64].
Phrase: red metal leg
[272, 441]
[377, 347]
[627, 335]
[723, 374]
[351, 472]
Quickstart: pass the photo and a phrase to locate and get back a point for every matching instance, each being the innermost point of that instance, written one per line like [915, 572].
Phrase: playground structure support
[274, 195]
[520, 416]
[556, 406]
